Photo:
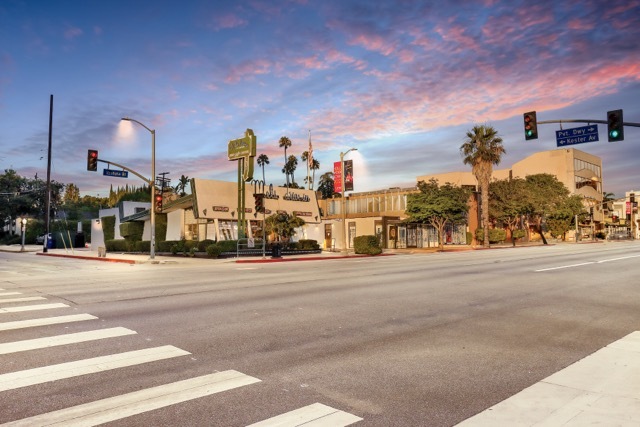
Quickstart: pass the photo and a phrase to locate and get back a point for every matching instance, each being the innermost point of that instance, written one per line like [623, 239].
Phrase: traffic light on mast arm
[92, 160]
[158, 202]
[530, 126]
[615, 126]
[259, 202]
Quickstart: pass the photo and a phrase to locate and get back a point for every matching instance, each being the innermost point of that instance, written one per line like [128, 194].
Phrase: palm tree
[315, 165]
[263, 159]
[285, 143]
[290, 168]
[181, 186]
[305, 159]
[482, 149]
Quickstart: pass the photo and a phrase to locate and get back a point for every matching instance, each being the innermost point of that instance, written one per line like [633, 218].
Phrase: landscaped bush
[228, 245]
[369, 245]
[108, 227]
[308, 245]
[165, 245]
[204, 244]
[132, 230]
[496, 235]
[161, 227]
[143, 246]
[213, 250]
[119, 245]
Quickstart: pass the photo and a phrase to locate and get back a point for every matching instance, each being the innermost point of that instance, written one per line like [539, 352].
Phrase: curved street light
[152, 252]
[344, 212]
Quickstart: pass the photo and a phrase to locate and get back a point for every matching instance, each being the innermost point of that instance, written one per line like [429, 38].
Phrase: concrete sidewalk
[601, 389]
[132, 258]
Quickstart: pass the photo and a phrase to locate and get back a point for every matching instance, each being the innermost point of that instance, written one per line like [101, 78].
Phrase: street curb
[126, 261]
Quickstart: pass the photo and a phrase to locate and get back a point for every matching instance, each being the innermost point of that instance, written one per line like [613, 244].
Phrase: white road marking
[565, 266]
[32, 307]
[20, 324]
[587, 263]
[22, 299]
[118, 407]
[315, 415]
[58, 340]
[45, 374]
[5, 294]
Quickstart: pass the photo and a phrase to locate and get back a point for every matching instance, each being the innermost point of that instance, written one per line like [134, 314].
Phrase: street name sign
[116, 173]
[579, 135]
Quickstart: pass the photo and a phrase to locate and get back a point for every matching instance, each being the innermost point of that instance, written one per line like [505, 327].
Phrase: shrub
[142, 246]
[369, 245]
[518, 233]
[213, 250]
[309, 245]
[204, 244]
[161, 227]
[119, 245]
[108, 227]
[165, 245]
[469, 237]
[228, 245]
[495, 235]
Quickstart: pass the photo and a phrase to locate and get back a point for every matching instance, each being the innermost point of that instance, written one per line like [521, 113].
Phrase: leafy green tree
[438, 205]
[263, 160]
[325, 185]
[560, 219]
[283, 225]
[508, 203]
[285, 143]
[482, 149]
[71, 194]
[545, 194]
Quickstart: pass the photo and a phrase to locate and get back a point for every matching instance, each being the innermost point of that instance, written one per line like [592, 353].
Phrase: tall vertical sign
[244, 151]
[348, 175]
[337, 177]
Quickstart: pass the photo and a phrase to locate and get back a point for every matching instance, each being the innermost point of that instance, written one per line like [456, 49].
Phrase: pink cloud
[72, 33]
[248, 69]
[373, 43]
[227, 21]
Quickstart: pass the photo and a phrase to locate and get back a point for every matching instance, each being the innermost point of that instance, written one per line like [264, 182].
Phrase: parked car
[620, 236]
[40, 239]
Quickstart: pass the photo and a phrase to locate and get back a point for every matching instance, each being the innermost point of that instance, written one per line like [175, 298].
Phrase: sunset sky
[402, 81]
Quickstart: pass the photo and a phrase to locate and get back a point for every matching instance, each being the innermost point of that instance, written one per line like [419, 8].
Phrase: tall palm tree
[315, 165]
[482, 149]
[290, 168]
[181, 186]
[263, 159]
[285, 143]
[305, 159]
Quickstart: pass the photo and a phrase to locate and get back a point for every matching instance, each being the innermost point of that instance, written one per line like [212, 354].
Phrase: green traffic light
[529, 132]
[614, 134]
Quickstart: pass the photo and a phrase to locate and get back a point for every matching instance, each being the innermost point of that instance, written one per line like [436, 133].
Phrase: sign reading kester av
[579, 135]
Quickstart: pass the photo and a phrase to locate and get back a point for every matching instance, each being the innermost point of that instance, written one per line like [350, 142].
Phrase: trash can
[51, 242]
[79, 240]
[276, 251]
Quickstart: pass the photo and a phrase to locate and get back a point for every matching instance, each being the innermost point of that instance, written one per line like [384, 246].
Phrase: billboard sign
[337, 178]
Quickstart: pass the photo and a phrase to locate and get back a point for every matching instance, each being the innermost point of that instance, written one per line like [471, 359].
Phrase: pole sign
[244, 149]
[337, 177]
[116, 173]
[579, 135]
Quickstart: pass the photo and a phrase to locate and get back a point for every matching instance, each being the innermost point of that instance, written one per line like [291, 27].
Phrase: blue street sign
[579, 135]
[116, 173]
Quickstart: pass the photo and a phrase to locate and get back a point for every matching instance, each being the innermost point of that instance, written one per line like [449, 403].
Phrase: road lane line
[6, 294]
[22, 299]
[315, 415]
[32, 307]
[618, 259]
[137, 402]
[45, 374]
[58, 340]
[565, 266]
[44, 321]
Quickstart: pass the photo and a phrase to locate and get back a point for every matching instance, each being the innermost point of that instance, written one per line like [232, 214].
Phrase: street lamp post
[343, 207]
[152, 184]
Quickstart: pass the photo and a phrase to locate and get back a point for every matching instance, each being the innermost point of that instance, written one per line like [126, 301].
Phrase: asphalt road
[406, 340]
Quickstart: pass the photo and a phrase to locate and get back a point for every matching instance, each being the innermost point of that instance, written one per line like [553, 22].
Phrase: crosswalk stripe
[32, 307]
[22, 299]
[315, 415]
[6, 294]
[58, 340]
[44, 321]
[45, 374]
[137, 402]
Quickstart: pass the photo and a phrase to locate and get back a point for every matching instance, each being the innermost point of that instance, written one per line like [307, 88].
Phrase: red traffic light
[92, 160]
[158, 203]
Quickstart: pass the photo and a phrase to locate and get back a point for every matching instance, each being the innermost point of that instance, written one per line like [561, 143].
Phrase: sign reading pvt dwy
[114, 172]
[579, 135]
